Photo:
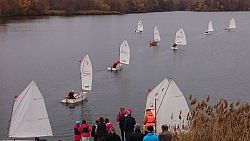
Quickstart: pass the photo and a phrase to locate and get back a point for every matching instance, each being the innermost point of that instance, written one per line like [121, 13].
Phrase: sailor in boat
[152, 43]
[38, 139]
[174, 46]
[206, 32]
[116, 64]
[77, 131]
[149, 119]
[71, 95]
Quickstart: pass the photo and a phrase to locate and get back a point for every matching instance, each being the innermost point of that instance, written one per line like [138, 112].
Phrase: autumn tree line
[48, 7]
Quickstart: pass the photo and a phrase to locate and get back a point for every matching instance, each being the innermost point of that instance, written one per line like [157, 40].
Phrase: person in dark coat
[113, 136]
[120, 117]
[129, 125]
[71, 95]
[137, 135]
[94, 130]
[165, 135]
[101, 130]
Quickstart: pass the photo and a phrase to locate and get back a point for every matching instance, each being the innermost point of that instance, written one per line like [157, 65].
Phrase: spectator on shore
[101, 130]
[77, 131]
[137, 135]
[150, 135]
[85, 130]
[129, 125]
[165, 135]
[108, 124]
[94, 130]
[121, 119]
[112, 136]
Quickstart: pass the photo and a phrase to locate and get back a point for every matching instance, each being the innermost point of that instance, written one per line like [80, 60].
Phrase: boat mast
[170, 80]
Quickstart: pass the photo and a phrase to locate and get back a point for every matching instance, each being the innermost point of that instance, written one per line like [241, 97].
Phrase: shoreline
[94, 12]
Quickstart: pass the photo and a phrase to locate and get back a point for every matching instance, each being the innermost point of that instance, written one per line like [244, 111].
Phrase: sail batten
[86, 73]
[29, 115]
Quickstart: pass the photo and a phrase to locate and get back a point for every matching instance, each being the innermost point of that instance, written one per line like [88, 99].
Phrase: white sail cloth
[29, 115]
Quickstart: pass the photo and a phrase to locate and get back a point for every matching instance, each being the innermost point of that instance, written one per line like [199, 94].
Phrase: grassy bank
[224, 121]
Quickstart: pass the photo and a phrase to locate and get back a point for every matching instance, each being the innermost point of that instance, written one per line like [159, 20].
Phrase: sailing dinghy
[209, 29]
[157, 37]
[180, 39]
[232, 25]
[86, 81]
[124, 54]
[139, 27]
[29, 118]
[168, 105]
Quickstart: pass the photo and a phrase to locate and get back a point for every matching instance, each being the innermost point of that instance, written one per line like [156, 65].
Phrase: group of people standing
[103, 130]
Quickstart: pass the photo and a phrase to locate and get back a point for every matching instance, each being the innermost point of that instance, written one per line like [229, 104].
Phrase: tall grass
[223, 121]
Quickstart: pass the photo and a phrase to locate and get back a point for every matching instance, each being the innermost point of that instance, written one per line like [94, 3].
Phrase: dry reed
[224, 121]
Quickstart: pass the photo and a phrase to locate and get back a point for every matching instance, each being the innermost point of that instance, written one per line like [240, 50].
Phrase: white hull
[174, 48]
[114, 69]
[137, 31]
[119, 67]
[79, 97]
[206, 33]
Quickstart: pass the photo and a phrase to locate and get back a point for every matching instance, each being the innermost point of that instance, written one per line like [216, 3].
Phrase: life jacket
[76, 130]
[150, 119]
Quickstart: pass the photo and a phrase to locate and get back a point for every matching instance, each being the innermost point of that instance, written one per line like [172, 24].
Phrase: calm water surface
[48, 51]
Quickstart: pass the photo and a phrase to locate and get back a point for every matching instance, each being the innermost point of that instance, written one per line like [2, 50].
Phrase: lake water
[47, 50]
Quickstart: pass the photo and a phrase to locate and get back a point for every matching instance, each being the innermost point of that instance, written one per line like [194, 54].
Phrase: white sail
[210, 27]
[157, 37]
[140, 26]
[86, 73]
[29, 116]
[124, 53]
[232, 24]
[169, 102]
[180, 38]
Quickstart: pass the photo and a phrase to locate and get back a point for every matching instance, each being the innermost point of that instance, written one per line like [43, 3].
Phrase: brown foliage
[218, 122]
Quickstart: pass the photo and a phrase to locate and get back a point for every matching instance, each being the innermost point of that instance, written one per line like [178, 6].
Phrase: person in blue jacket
[150, 135]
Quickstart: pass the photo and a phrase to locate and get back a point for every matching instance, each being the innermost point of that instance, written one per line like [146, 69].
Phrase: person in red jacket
[85, 130]
[108, 124]
[77, 131]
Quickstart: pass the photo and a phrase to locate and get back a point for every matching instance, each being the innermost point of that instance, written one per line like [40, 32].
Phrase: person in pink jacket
[120, 117]
[109, 125]
[85, 130]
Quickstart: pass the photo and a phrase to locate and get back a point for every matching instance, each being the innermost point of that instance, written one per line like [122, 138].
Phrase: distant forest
[70, 7]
